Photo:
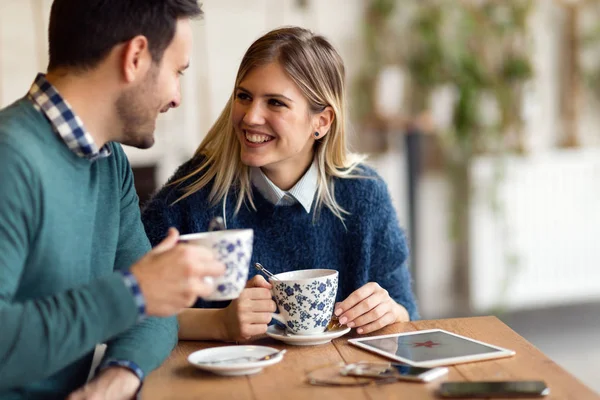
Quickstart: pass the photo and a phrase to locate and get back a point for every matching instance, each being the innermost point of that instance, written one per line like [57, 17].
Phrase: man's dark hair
[82, 32]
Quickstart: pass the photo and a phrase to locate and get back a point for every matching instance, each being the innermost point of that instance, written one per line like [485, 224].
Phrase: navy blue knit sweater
[371, 248]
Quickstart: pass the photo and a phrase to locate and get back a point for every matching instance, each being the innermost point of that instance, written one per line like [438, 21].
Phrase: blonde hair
[318, 70]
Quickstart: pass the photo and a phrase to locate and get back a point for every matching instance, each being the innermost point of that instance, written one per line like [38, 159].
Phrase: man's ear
[323, 121]
[136, 58]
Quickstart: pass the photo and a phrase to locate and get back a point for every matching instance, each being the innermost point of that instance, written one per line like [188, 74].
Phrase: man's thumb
[169, 242]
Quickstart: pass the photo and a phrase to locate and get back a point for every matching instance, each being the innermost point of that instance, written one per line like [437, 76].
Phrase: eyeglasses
[338, 375]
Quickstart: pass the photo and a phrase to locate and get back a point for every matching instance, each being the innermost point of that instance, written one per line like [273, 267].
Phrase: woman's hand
[370, 308]
[249, 314]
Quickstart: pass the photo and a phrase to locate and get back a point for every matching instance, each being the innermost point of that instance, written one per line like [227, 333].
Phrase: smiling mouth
[257, 138]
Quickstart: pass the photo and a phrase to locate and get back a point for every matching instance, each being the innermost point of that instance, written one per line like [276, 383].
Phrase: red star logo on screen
[429, 344]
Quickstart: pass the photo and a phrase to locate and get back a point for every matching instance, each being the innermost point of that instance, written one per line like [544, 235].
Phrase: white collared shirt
[303, 191]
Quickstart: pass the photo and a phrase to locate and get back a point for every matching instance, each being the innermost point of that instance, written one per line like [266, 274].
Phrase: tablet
[430, 348]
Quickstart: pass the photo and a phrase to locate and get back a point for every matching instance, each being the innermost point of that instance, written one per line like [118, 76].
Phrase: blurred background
[482, 116]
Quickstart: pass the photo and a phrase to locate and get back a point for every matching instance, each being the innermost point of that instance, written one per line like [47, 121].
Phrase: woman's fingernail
[343, 320]
[350, 324]
[359, 330]
[338, 312]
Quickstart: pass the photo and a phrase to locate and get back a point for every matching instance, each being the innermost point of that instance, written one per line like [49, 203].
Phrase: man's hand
[249, 314]
[172, 276]
[113, 383]
[370, 308]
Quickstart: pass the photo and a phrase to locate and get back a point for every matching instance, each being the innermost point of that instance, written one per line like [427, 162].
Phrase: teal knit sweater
[66, 226]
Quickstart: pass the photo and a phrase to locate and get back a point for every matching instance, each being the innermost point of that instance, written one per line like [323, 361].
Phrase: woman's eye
[242, 96]
[276, 103]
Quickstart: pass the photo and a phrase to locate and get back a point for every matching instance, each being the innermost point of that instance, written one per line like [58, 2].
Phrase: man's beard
[137, 110]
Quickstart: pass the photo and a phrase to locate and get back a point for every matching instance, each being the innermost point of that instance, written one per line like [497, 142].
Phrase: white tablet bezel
[502, 352]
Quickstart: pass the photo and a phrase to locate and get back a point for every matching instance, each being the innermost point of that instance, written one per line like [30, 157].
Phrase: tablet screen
[429, 346]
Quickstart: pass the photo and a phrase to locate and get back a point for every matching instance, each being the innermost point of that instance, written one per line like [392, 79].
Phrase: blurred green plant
[589, 37]
[477, 49]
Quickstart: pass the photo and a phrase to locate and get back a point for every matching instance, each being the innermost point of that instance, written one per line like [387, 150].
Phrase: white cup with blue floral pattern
[305, 299]
[233, 247]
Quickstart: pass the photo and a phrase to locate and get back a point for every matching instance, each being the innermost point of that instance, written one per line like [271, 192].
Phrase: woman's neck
[286, 176]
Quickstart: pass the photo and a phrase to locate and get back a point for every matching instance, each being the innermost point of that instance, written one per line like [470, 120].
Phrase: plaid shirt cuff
[130, 365]
[133, 285]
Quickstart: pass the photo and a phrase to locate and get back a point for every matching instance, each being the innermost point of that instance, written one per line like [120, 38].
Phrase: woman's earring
[316, 134]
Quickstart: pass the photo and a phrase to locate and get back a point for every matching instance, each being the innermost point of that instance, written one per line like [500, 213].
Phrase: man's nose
[176, 100]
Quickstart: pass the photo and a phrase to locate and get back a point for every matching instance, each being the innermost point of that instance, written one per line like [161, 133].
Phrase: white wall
[550, 227]
[23, 26]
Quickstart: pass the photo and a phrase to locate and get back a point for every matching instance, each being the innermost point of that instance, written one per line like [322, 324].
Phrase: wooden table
[176, 379]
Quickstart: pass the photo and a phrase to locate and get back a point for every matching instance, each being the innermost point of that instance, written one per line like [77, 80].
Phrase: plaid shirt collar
[69, 127]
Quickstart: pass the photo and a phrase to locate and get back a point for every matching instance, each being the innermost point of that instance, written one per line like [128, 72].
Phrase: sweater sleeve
[150, 342]
[389, 252]
[158, 216]
[40, 337]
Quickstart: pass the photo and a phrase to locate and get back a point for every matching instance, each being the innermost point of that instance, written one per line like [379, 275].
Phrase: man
[73, 265]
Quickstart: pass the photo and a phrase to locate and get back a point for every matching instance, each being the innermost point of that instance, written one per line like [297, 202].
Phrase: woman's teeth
[256, 138]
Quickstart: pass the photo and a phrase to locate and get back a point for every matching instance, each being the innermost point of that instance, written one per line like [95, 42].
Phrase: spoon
[216, 224]
[265, 271]
[246, 358]
[272, 355]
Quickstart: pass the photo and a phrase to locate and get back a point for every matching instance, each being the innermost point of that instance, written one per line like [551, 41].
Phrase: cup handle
[278, 318]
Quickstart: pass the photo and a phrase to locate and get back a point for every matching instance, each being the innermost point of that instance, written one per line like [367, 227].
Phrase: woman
[276, 161]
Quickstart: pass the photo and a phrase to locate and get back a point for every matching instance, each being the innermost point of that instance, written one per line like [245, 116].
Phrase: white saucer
[230, 352]
[305, 340]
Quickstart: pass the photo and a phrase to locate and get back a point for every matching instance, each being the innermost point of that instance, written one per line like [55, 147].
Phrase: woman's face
[273, 124]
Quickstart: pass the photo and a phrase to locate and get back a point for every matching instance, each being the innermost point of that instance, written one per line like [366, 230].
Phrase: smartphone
[391, 370]
[494, 389]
